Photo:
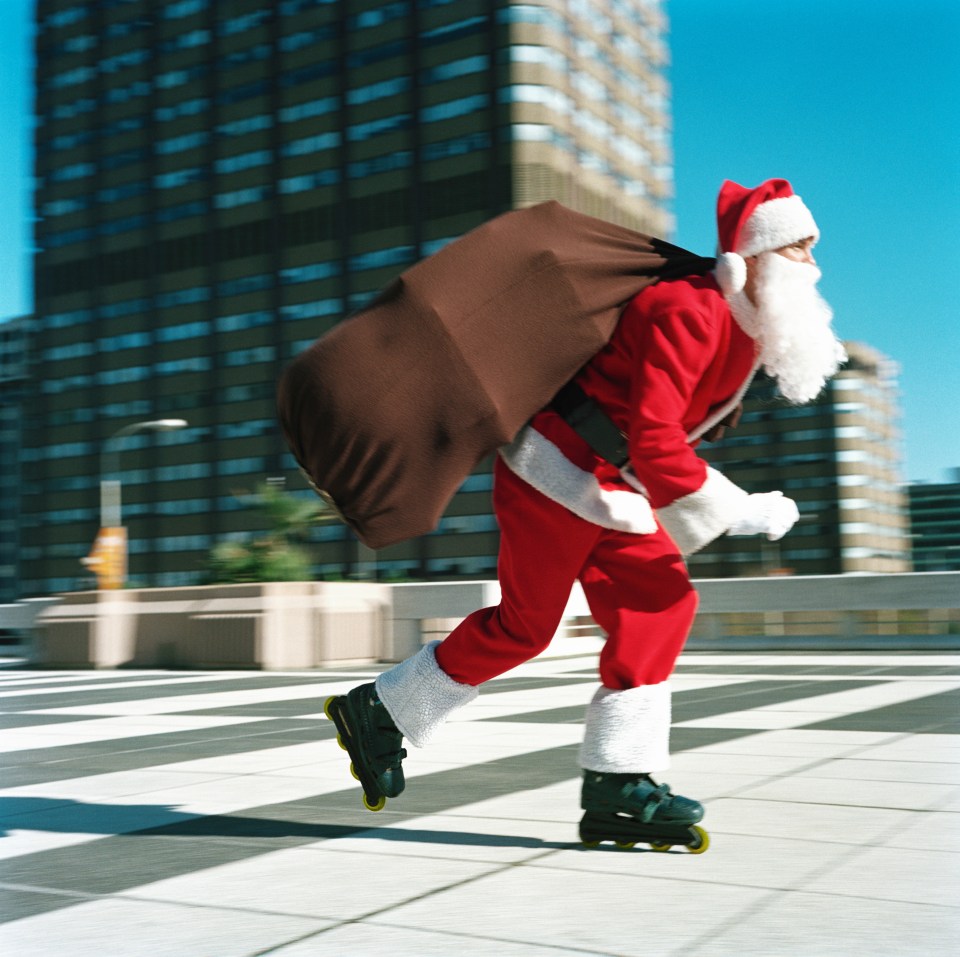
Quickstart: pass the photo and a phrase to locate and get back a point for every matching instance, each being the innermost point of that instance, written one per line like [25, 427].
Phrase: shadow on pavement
[73, 817]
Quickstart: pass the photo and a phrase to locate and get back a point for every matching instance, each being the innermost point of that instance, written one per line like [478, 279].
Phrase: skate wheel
[343, 747]
[704, 842]
[626, 845]
[327, 706]
[659, 846]
[590, 844]
[378, 805]
[353, 772]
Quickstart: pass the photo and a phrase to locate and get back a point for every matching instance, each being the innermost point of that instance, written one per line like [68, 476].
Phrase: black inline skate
[367, 733]
[627, 808]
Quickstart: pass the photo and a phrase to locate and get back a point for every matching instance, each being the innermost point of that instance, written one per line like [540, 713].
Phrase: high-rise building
[221, 182]
[838, 457]
[13, 380]
[935, 524]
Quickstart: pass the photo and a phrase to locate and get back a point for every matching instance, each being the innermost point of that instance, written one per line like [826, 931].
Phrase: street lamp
[109, 553]
[110, 465]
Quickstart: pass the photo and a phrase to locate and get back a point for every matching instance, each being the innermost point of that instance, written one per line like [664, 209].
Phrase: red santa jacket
[676, 365]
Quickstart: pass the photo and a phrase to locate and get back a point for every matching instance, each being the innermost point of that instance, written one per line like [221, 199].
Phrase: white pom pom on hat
[753, 221]
[731, 273]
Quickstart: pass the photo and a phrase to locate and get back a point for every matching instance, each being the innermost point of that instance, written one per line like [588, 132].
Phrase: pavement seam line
[426, 895]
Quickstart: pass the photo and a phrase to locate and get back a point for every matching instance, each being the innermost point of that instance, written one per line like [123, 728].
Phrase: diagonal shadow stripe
[184, 844]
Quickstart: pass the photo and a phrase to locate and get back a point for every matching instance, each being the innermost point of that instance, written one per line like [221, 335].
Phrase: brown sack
[391, 410]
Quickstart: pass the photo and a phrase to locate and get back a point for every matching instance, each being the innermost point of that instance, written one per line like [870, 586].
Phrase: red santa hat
[758, 220]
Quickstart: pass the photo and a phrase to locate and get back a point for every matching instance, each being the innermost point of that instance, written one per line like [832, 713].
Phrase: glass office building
[838, 457]
[14, 372]
[935, 524]
[220, 181]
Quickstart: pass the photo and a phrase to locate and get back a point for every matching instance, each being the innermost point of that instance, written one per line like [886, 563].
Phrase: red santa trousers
[637, 588]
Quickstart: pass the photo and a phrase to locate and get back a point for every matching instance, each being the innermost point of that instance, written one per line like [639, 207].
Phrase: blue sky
[856, 102]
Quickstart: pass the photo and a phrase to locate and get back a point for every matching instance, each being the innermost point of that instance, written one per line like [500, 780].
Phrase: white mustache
[792, 325]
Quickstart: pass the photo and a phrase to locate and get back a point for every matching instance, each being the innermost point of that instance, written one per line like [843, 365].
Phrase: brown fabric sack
[392, 409]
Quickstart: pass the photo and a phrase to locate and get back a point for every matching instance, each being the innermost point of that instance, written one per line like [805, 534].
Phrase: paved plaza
[149, 813]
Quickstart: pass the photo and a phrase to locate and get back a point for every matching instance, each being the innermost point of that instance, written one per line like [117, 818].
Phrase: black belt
[591, 423]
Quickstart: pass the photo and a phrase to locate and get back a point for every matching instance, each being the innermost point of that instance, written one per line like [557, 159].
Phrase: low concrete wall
[17, 623]
[279, 625]
[911, 611]
[292, 625]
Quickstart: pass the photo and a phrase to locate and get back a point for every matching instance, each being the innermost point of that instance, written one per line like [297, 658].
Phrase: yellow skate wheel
[353, 772]
[327, 705]
[379, 805]
[659, 846]
[704, 842]
[590, 844]
[626, 845]
[343, 747]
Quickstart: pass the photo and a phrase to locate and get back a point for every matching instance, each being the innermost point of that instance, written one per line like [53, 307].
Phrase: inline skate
[367, 733]
[627, 808]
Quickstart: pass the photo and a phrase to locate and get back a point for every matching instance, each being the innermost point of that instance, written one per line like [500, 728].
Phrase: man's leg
[542, 548]
[640, 594]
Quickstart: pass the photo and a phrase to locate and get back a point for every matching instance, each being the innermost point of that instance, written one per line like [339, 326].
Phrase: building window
[241, 197]
[242, 161]
[360, 132]
[304, 111]
[311, 310]
[185, 330]
[395, 256]
[452, 108]
[244, 320]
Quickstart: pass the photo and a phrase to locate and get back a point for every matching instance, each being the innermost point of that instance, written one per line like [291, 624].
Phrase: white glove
[769, 513]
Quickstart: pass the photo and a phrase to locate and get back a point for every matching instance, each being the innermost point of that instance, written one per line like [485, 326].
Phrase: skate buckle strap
[657, 797]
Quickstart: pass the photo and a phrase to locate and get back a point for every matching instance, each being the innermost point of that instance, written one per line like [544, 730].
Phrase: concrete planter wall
[292, 625]
[280, 625]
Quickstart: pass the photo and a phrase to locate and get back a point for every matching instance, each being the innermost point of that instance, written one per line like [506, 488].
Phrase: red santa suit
[678, 363]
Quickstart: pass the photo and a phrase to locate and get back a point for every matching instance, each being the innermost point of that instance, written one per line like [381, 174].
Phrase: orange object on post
[108, 558]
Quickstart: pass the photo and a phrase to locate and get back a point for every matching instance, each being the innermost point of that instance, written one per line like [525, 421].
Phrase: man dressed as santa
[677, 366]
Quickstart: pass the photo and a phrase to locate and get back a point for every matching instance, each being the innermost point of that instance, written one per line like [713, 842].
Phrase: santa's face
[798, 252]
[791, 321]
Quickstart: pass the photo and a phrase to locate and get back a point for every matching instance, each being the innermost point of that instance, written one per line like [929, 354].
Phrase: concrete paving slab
[195, 835]
[818, 925]
[128, 927]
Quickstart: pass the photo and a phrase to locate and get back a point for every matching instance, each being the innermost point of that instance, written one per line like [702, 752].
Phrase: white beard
[791, 326]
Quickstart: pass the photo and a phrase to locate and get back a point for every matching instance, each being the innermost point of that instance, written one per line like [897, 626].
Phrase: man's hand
[769, 513]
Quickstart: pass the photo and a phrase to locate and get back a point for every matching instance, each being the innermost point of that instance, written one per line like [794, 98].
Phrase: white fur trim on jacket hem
[697, 519]
[419, 695]
[543, 465]
[628, 731]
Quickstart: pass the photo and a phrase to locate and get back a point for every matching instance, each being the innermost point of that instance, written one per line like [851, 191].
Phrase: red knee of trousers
[644, 647]
[482, 647]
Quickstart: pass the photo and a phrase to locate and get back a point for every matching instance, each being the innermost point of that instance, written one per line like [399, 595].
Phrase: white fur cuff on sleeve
[698, 518]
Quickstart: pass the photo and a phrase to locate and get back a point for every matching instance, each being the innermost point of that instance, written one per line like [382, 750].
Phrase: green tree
[277, 554]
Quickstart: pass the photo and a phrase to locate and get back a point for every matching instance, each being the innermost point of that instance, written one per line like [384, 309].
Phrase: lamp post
[110, 502]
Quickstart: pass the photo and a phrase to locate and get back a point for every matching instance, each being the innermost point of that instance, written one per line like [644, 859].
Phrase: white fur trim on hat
[628, 731]
[731, 273]
[543, 465]
[419, 695]
[697, 519]
[775, 224]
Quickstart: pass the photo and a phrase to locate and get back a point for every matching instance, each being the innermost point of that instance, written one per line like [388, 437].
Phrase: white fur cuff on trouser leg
[419, 695]
[628, 731]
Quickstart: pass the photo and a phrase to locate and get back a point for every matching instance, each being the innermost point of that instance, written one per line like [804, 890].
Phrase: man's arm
[695, 504]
